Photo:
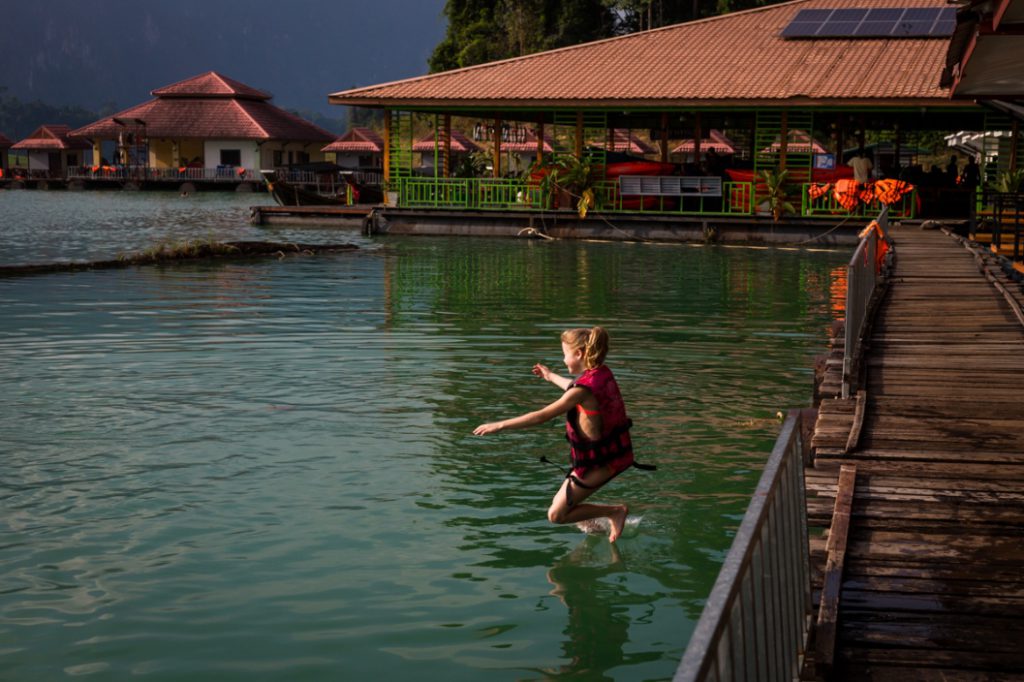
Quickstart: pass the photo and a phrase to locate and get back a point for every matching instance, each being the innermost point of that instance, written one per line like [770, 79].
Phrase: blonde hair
[593, 342]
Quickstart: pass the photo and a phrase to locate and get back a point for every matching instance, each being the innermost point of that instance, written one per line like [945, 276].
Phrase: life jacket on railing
[891, 190]
[882, 242]
[846, 193]
[818, 191]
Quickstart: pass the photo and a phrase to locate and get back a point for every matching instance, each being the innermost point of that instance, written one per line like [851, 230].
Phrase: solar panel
[837, 29]
[801, 29]
[873, 28]
[877, 22]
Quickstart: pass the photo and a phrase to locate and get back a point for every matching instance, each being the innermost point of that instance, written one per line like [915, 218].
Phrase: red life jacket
[615, 424]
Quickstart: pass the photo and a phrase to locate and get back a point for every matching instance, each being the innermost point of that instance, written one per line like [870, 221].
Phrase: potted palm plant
[777, 193]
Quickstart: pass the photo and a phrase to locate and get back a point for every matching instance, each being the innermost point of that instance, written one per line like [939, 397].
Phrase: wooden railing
[755, 622]
[139, 173]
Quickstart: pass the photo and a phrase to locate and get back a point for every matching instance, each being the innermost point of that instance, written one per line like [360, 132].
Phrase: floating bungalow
[459, 148]
[358, 149]
[205, 129]
[845, 72]
[51, 152]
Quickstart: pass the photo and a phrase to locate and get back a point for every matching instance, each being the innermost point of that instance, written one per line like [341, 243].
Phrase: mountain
[106, 55]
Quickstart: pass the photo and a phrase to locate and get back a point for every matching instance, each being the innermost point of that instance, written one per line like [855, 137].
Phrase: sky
[97, 53]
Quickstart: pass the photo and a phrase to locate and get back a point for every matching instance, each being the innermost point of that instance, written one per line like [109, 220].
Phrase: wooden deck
[932, 586]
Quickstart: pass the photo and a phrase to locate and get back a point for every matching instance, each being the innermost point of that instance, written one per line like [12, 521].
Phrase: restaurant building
[844, 73]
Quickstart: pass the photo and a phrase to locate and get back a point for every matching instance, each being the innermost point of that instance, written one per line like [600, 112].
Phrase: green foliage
[18, 119]
[777, 190]
[472, 165]
[1010, 182]
[578, 178]
[487, 30]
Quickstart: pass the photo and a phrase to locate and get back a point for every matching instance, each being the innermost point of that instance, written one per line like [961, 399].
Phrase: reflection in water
[597, 626]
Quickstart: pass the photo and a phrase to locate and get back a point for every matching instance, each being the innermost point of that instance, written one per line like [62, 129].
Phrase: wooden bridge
[915, 497]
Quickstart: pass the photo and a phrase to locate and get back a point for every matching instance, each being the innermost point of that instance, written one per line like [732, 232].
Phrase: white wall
[250, 152]
[38, 160]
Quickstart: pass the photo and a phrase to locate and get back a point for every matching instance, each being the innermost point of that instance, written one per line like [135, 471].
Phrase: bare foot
[618, 519]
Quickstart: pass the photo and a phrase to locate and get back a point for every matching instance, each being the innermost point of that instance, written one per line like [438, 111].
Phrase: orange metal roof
[210, 106]
[460, 143]
[736, 58]
[357, 140]
[51, 137]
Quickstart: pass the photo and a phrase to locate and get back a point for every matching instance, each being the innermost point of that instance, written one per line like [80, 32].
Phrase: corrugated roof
[357, 141]
[224, 116]
[733, 58]
[51, 137]
[460, 143]
[529, 143]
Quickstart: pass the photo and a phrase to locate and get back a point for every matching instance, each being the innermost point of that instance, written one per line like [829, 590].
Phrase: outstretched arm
[568, 401]
[546, 374]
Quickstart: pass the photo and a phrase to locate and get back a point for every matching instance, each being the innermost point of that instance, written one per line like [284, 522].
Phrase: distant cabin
[52, 151]
[209, 121]
[358, 149]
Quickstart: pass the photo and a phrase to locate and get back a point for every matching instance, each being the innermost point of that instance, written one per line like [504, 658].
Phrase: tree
[484, 30]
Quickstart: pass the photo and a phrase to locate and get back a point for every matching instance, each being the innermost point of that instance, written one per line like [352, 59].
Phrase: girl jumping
[596, 425]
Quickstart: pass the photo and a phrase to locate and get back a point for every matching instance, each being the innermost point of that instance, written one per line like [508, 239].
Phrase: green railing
[517, 194]
[826, 206]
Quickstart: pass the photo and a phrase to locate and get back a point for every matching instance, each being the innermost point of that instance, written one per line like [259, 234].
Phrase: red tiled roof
[730, 59]
[206, 116]
[799, 142]
[5, 142]
[51, 137]
[623, 141]
[357, 141]
[210, 84]
[460, 143]
[717, 142]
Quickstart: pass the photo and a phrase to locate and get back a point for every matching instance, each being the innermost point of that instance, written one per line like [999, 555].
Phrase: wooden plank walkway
[933, 580]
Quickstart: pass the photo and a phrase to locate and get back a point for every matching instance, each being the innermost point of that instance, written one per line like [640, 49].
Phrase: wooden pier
[338, 216]
[915, 498]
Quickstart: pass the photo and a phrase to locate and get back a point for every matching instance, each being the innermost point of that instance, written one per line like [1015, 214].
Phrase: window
[278, 158]
[231, 157]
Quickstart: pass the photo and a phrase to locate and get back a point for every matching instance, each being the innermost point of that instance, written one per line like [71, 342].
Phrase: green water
[265, 471]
